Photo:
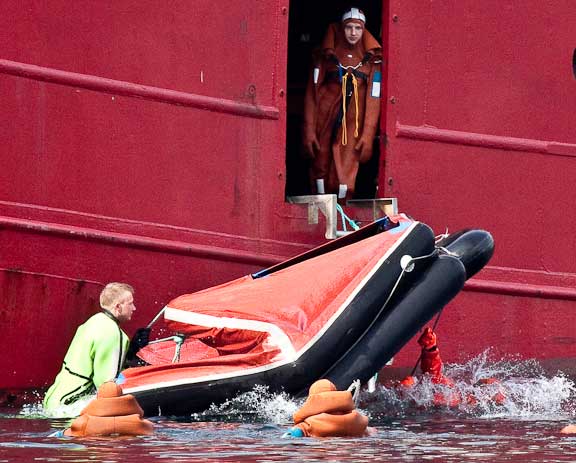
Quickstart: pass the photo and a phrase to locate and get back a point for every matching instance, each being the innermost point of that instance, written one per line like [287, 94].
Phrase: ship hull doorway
[308, 23]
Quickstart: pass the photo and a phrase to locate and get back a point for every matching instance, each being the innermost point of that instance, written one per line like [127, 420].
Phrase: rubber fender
[395, 327]
[325, 402]
[129, 425]
[351, 424]
[473, 247]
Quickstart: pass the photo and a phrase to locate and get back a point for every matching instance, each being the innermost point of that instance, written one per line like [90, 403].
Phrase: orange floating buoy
[328, 413]
[110, 413]
[570, 429]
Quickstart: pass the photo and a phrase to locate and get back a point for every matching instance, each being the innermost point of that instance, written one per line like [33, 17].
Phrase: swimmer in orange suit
[328, 412]
[110, 413]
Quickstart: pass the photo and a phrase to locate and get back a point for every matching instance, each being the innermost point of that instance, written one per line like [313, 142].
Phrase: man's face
[124, 308]
[353, 31]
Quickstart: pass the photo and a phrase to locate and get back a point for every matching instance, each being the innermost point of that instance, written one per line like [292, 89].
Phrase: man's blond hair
[112, 292]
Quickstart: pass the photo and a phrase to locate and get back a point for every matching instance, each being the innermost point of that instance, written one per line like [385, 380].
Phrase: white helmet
[354, 13]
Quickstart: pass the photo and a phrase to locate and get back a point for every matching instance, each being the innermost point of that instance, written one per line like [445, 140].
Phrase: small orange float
[328, 412]
[570, 429]
[110, 413]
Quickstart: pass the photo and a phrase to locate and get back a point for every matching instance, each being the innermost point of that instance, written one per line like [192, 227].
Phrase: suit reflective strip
[87, 378]
[376, 82]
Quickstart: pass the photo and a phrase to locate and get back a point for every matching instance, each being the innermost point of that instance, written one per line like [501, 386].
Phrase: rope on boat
[179, 340]
[446, 251]
[345, 219]
[441, 236]
[354, 388]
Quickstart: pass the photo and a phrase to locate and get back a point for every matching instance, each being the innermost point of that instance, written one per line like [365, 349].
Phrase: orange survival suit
[111, 413]
[328, 412]
[338, 133]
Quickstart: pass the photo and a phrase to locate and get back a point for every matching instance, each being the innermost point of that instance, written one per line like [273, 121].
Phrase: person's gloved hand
[364, 149]
[141, 338]
[428, 339]
[311, 145]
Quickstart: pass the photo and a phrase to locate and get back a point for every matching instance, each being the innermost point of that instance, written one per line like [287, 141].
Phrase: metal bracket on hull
[327, 205]
[323, 203]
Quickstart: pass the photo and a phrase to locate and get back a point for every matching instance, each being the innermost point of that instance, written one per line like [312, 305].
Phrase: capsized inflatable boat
[339, 311]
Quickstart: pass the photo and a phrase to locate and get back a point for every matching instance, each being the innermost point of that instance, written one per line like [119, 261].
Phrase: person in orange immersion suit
[110, 413]
[328, 412]
[570, 429]
[431, 364]
[338, 132]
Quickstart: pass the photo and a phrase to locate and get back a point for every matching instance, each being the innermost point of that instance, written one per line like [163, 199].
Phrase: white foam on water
[257, 405]
[36, 410]
[521, 390]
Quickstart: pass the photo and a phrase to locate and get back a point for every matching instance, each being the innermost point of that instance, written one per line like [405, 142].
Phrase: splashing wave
[483, 387]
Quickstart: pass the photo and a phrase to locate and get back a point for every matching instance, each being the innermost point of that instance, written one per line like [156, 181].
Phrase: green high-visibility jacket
[96, 355]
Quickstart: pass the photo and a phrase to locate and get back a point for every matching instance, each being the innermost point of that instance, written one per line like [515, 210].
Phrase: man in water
[98, 350]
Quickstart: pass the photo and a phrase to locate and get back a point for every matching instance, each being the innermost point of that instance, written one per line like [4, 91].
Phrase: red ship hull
[156, 145]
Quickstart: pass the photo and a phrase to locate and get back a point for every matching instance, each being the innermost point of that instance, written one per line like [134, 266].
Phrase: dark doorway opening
[308, 23]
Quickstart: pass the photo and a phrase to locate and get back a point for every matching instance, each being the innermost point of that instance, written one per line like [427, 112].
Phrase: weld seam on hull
[152, 244]
[129, 89]
[520, 289]
[485, 140]
[52, 215]
[14, 271]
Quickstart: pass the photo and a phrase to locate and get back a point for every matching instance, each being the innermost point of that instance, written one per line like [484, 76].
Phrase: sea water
[409, 425]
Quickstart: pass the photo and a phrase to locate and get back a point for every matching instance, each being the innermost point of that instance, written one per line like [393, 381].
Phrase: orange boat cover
[251, 322]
